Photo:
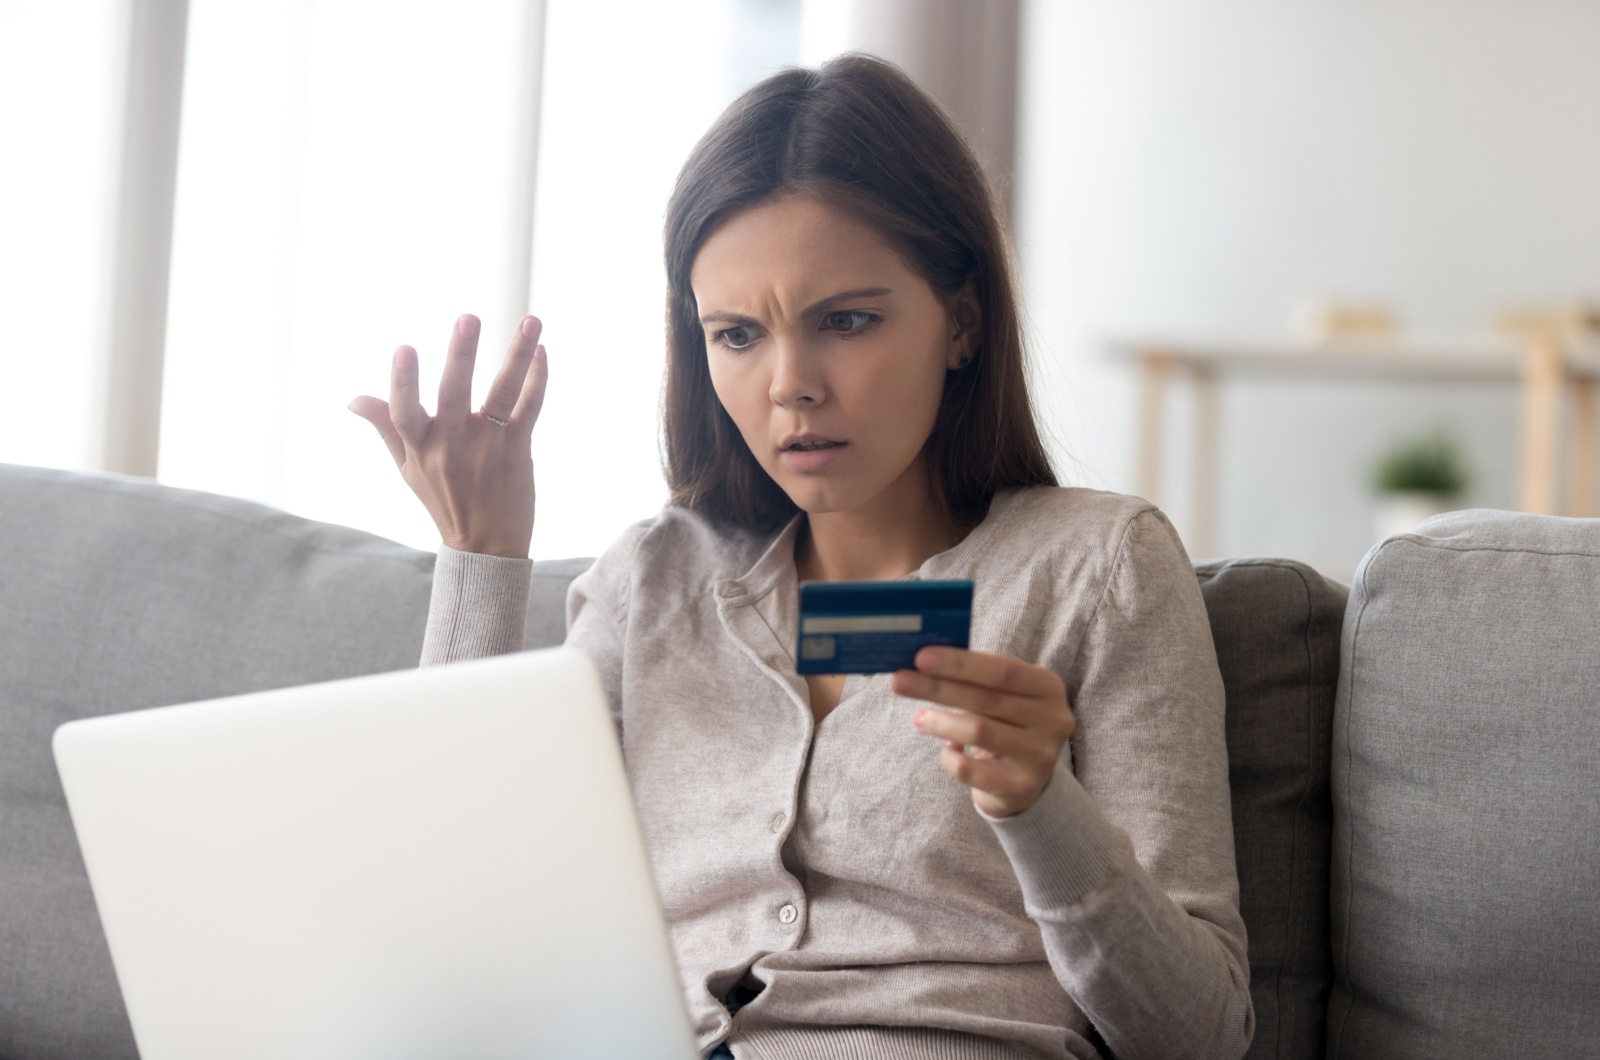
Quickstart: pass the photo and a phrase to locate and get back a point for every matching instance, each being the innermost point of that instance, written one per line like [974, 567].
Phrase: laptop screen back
[433, 863]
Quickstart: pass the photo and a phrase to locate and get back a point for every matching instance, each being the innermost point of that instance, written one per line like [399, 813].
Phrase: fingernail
[917, 716]
[467, 326]
[530, 326]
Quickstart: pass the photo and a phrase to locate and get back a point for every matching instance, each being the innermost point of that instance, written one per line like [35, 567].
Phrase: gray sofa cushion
[1466, 770]
[121, 594]
[1276, 626]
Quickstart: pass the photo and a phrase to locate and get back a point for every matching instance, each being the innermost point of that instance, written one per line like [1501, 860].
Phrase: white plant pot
[1401, 512]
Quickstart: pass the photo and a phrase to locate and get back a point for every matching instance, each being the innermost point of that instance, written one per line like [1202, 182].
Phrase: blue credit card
[877, 627]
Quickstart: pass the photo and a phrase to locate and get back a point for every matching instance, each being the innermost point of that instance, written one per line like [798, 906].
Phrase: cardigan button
[788, 914]
[778, 822]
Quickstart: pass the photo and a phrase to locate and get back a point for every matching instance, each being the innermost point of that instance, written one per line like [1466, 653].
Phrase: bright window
[342, 190]
[60, 63]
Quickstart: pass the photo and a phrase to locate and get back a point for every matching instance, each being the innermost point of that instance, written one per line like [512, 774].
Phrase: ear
[965, 315]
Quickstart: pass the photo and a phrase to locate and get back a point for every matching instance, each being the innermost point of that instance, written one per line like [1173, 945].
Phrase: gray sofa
[1415, 769]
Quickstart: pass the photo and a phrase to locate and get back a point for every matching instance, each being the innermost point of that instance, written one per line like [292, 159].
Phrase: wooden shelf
[1554, 374]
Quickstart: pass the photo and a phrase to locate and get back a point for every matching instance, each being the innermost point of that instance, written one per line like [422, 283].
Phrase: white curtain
[962, 52]
[341, 190]
[59, 62]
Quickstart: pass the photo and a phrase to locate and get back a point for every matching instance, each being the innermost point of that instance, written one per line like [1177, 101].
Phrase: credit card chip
[818, 647]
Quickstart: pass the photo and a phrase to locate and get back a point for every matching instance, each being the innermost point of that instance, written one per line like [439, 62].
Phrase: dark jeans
[740, 996]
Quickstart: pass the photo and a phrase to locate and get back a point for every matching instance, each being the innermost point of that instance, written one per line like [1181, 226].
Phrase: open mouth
[811, 445]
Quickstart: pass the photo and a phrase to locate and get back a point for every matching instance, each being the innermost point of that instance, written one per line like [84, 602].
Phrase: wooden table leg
[1541, 423]
[1581, 455]
[1203, 466]
[1154, 370]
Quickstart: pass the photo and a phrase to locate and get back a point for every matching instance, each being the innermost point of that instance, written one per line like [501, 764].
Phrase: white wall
[1199, 168]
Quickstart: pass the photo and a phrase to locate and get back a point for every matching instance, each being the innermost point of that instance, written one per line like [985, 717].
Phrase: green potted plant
[1417, 479]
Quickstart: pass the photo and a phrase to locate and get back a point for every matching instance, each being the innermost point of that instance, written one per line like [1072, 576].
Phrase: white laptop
[440, 864]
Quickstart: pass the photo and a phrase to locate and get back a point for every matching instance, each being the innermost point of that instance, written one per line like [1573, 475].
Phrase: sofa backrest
[122, 594]
[1276, 626]
[1466, 772]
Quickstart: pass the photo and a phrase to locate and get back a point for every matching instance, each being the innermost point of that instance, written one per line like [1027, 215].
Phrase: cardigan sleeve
[1126, 861]
[478, 607]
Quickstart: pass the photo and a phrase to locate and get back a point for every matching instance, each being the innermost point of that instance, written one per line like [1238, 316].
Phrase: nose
[796, 376]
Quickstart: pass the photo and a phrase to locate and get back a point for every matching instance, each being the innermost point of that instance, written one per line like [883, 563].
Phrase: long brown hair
[858, 134]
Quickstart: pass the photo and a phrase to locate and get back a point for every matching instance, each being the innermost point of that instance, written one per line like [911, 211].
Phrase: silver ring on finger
[496, 420]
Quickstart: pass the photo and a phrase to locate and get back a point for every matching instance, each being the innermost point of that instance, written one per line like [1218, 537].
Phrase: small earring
[963, 361]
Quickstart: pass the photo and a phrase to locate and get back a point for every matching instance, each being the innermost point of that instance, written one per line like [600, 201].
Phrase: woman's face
[828, 352]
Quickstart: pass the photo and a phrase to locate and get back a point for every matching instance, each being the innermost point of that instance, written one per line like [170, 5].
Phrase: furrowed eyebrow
[844, 296]
[726, 318]
[810, 310]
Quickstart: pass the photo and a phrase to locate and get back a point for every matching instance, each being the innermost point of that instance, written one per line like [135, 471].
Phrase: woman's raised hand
[472, 470]
[1011, 716]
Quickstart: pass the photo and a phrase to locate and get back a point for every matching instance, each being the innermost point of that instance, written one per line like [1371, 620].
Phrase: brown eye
[736, 338]
[847, 321]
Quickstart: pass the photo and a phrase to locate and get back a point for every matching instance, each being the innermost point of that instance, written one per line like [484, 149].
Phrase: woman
[848, 871]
